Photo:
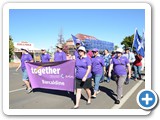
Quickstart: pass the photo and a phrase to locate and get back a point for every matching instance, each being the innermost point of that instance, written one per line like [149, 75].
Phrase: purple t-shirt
[45, 57]
[59, 56]
[25, 58]
[97, 65]
[82, 66]
[120, 69]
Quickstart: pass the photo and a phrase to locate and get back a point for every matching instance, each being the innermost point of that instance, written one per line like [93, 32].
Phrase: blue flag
[76, 40]
[138, 44]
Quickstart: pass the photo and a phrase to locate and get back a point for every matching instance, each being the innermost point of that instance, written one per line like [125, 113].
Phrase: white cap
[59, 45]
[82, 48]
[119, 50]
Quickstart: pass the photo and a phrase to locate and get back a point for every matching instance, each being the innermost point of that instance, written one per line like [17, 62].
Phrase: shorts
[24, 75]
[85, 85]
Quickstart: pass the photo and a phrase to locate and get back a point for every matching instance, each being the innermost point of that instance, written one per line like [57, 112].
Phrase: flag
[138, 44]
[75, 40]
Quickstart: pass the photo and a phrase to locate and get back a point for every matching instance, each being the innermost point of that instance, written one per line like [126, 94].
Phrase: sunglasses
[80, 51]
[94, 51]
[118, 52]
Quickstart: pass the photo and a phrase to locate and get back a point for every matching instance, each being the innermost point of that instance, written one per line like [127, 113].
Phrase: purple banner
[52, 75]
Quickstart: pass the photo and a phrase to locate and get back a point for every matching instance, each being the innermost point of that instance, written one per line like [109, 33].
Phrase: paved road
[54, 99]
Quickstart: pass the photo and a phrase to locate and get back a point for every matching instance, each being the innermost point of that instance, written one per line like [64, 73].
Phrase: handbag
[115, 77]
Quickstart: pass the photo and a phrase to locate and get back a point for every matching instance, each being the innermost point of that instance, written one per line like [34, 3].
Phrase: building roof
[82, 37]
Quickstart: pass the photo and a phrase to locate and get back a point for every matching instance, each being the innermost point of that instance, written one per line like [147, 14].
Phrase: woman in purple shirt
[59, 54]
[98, 69]
[83, 76]
[26, 57]
[118, 64]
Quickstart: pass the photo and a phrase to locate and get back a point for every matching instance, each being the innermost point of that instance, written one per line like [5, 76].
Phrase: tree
[115, 47]
[128, 41]
[11, 48]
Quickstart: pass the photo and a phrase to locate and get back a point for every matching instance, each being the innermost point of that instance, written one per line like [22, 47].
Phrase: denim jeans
[137, 71]
[24, 75]
[97, 78]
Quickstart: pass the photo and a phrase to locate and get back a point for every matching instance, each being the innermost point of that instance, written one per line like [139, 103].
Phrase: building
[35, 52]
[70, 43]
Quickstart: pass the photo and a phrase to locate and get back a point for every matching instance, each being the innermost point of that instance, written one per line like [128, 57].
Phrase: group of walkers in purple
[92, 66]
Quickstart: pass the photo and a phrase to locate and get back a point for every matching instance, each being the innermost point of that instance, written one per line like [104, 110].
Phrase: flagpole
[134, 38]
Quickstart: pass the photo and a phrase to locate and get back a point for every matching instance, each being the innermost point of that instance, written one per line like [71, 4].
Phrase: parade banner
[52, 75]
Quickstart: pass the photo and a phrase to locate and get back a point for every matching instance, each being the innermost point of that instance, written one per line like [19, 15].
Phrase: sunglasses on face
[80, 50]
[94, 51]
[118, 52]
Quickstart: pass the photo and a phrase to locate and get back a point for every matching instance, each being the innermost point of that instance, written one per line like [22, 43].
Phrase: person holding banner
[26, 57]
[59, 54]
[118, 64]
[83, 76]
[45, 57]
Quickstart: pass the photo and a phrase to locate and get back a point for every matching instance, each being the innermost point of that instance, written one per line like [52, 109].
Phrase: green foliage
[115, 47]
[11, 48]
[128, 41]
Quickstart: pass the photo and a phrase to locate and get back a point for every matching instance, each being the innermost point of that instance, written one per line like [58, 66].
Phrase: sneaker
[93, 96]
[135, 79]
[98, 92]
[101, 81]
[108, 80]
[29, 90]
[126, 82]
[117, 102]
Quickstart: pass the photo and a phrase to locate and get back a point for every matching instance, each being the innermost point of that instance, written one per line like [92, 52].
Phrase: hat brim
[24, 49]
[81, 50]
[59, 47]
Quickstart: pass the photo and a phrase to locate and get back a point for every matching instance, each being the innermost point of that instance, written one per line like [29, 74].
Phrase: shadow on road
[57, 92]
[109, 92]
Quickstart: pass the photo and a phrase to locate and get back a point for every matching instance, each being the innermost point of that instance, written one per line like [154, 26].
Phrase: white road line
[126, 97]
[17, 90]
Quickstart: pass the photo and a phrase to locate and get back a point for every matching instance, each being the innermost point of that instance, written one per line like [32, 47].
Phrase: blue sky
[42, 26]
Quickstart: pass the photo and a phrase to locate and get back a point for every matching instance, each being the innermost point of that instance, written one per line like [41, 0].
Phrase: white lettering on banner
[46, 70]
[53, 82]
